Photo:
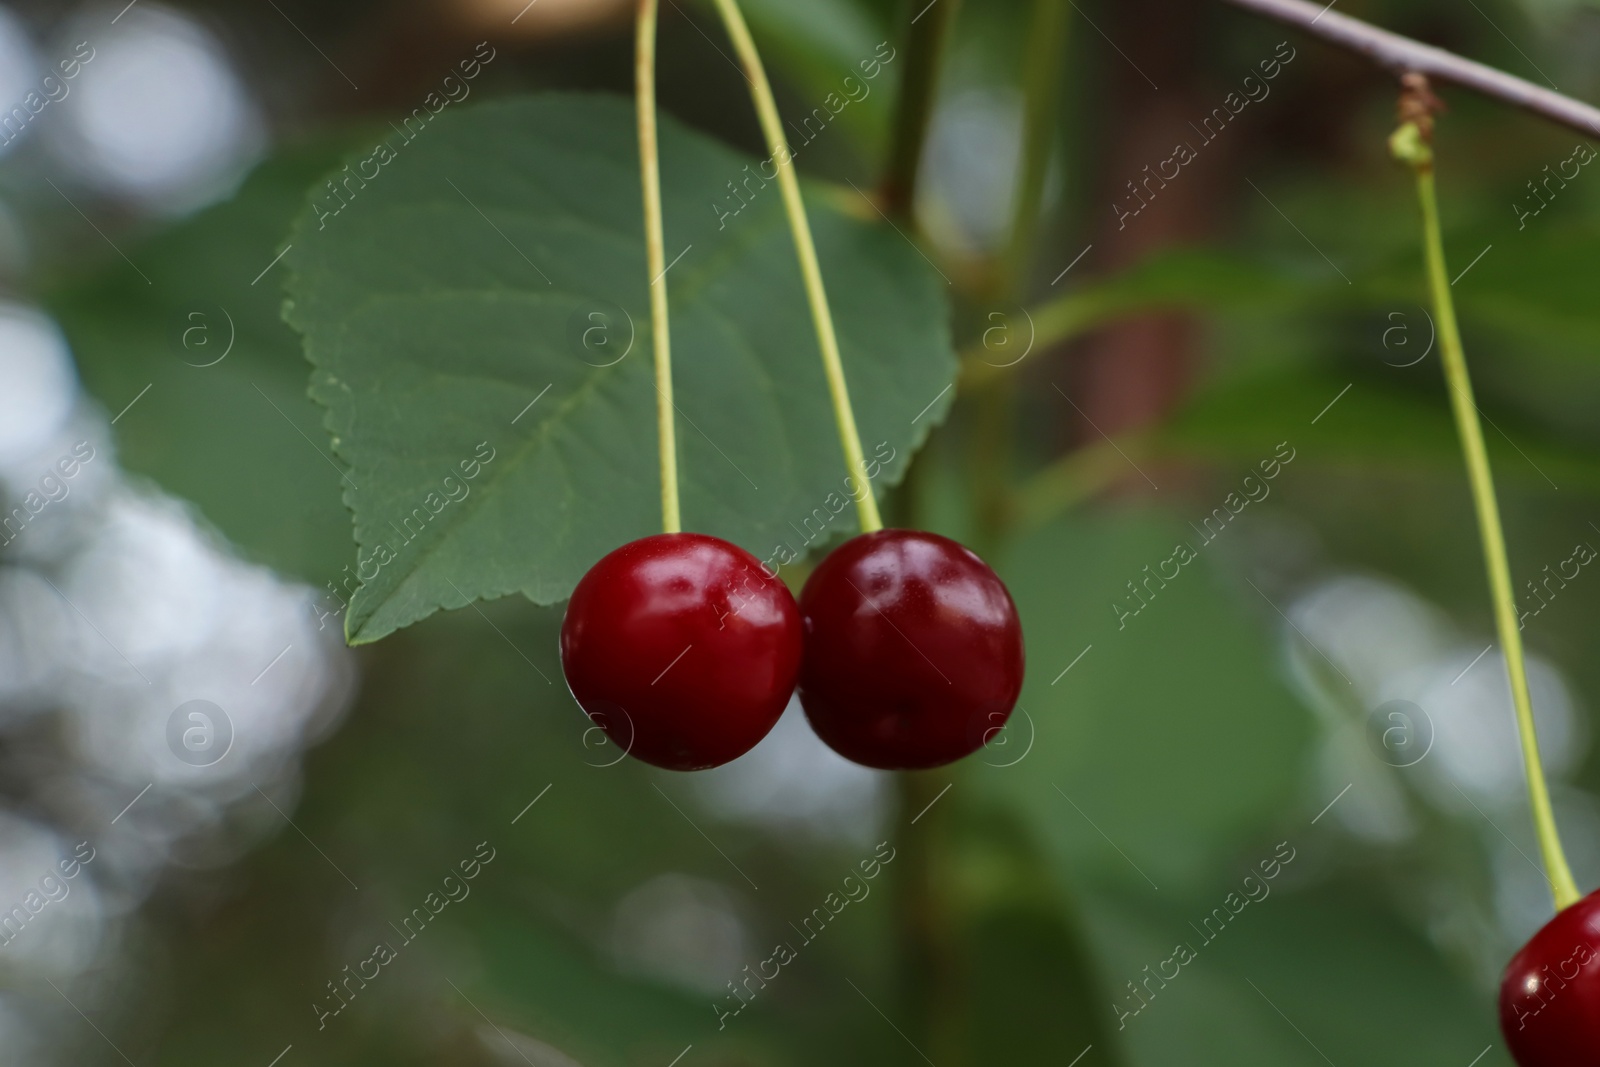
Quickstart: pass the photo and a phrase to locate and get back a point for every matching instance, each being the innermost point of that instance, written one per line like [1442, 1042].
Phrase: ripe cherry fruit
[1550, 995]
[683, 648]
[913, 652]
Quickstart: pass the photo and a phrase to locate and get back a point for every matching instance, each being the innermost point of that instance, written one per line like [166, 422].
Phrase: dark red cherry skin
[1550, 995]
[683, 648]
[913, 650]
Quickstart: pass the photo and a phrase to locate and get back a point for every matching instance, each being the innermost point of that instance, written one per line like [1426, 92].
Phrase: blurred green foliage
[1173, 754]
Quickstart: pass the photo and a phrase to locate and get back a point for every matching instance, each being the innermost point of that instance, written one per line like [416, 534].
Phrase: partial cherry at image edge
[1550, 992]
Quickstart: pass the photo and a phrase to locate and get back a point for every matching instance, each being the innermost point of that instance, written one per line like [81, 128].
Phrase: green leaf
[1160, 739]
[1536, 284]
[1363, 422]
[1194, 278]
[445, 306]
[1283, 981]
[1209, 279]
[1032, 989]
[233, 433]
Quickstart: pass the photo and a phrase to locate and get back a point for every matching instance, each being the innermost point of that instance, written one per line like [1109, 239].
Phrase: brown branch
[1402, 55]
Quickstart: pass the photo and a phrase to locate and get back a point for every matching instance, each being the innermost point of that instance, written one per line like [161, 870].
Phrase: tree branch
[925, 45]
[1402, 55]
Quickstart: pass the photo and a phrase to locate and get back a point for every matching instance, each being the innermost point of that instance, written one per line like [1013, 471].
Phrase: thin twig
[1041, 80]
[1402, 55]
[925, 40]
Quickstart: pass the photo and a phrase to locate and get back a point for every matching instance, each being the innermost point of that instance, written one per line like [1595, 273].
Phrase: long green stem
[925, 46]
[805, 247]
[1410, 147]
[656, 257]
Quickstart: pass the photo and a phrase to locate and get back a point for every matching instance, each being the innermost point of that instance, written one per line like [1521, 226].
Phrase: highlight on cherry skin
[913, 650]
[683, 648]
[1550, 994]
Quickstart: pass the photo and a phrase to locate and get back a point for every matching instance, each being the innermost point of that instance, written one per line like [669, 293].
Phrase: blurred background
[1318, 694]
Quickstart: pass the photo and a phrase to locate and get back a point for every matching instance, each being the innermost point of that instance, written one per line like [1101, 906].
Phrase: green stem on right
[806, 249]
[1410, 147]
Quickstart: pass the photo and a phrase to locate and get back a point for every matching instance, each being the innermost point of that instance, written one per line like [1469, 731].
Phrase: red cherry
[683, 648]
[913, 650]
[1550, 995]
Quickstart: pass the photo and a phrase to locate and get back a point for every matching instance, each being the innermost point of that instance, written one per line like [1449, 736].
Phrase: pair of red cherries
[684, 648]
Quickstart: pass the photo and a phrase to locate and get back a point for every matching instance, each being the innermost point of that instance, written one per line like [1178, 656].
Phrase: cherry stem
[1410, 146]
[656, 257]
[805, 247]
